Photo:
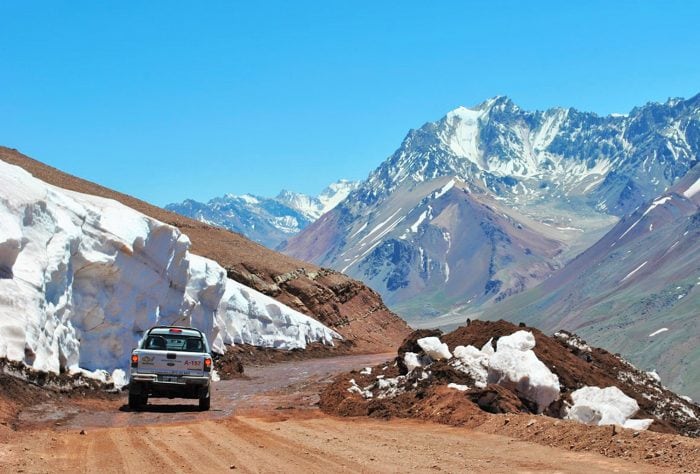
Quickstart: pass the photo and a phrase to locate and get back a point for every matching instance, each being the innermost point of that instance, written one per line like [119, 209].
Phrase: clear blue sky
[169, 100]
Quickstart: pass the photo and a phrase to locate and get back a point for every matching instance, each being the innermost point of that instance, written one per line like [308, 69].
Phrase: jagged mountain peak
[563, 177]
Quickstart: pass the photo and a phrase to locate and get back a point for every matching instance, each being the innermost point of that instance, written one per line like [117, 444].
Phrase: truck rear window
[170, 342]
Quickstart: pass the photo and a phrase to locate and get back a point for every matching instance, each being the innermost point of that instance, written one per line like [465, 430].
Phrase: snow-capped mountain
[489, 201]
[82, 277]
[268, 221]
[636, 291]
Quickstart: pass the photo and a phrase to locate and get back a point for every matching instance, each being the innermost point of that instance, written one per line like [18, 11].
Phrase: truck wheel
[135, 401]
[205, 399]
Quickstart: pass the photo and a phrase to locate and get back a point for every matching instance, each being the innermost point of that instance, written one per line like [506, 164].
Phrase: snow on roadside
[81, 278]
[606, 406]
[515, 366]
[434, 348]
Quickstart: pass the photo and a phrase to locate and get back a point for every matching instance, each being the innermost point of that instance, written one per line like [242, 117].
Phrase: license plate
[167, 378]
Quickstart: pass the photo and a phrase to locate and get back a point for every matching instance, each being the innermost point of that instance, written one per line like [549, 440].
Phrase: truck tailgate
[175, 363]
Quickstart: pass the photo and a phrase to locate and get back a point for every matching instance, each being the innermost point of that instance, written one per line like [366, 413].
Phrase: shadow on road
[162, 408]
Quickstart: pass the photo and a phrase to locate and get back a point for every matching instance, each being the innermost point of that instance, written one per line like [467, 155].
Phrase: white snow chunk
[412, 361]
[366, 371]
[654, 375]
[354, 388]
[119, 378]
[605, 406]
[456, 386]
[639, 425]
[515, 366]
[488, 348]
[434, 348]
[520, 340]
[475, 362]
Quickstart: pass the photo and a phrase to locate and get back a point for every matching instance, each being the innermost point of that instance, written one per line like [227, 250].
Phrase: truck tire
[138, 396]
[135, 401]
[205, 399]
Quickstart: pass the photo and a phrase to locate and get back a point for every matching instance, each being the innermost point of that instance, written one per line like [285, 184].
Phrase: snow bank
[81, 278]
[434, 348]
[605, 406]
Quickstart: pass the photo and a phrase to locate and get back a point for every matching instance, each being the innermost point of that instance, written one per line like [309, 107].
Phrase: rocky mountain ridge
[459, 197]
[636, 291]
[269, 221]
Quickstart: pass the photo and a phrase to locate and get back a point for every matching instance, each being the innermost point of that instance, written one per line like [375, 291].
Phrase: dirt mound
[391, 390]
[21, 388]
[344, 304]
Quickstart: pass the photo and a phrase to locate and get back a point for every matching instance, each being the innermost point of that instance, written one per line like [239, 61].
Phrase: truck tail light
[134, 360]
[175, 330]
[207, 364]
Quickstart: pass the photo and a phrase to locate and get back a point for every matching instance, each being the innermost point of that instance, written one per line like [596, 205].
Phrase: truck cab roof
[184, 331]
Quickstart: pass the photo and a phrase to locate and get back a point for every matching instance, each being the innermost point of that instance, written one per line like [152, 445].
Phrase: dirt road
[268, 424]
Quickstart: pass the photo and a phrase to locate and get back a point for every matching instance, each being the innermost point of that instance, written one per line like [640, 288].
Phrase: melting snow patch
[456, 386]
[692, 190]
[472, 361]
[633, 272]
[366, 371]
[572, 340]
[654, 375]
[434, 348]
[413, 361]
[445, 188]
[607, 406]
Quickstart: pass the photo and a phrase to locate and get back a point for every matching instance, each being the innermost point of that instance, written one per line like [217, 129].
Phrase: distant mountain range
[269, 221]
[490, 201]
[560, 218]
[636, 291]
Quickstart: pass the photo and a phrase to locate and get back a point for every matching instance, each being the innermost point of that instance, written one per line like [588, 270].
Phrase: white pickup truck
[172, 362]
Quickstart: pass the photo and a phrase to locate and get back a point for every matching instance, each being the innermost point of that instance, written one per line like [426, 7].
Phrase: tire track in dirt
[294, 450]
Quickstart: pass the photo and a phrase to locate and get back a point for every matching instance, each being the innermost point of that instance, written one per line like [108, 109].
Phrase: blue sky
[170, 100]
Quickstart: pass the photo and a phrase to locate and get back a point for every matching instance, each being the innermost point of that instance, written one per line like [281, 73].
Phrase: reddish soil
[344, 304]
[277, 428]
[496, 409]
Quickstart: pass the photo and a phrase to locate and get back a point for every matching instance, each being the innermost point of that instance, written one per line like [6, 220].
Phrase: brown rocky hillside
[344, 304]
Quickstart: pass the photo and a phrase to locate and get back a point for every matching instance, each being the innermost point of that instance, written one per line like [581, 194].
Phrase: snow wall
[81, 278]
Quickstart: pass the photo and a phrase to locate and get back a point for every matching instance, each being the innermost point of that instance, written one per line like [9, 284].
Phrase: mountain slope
[636, 291]
[337, 301]
[564, 175]
[269, 221]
